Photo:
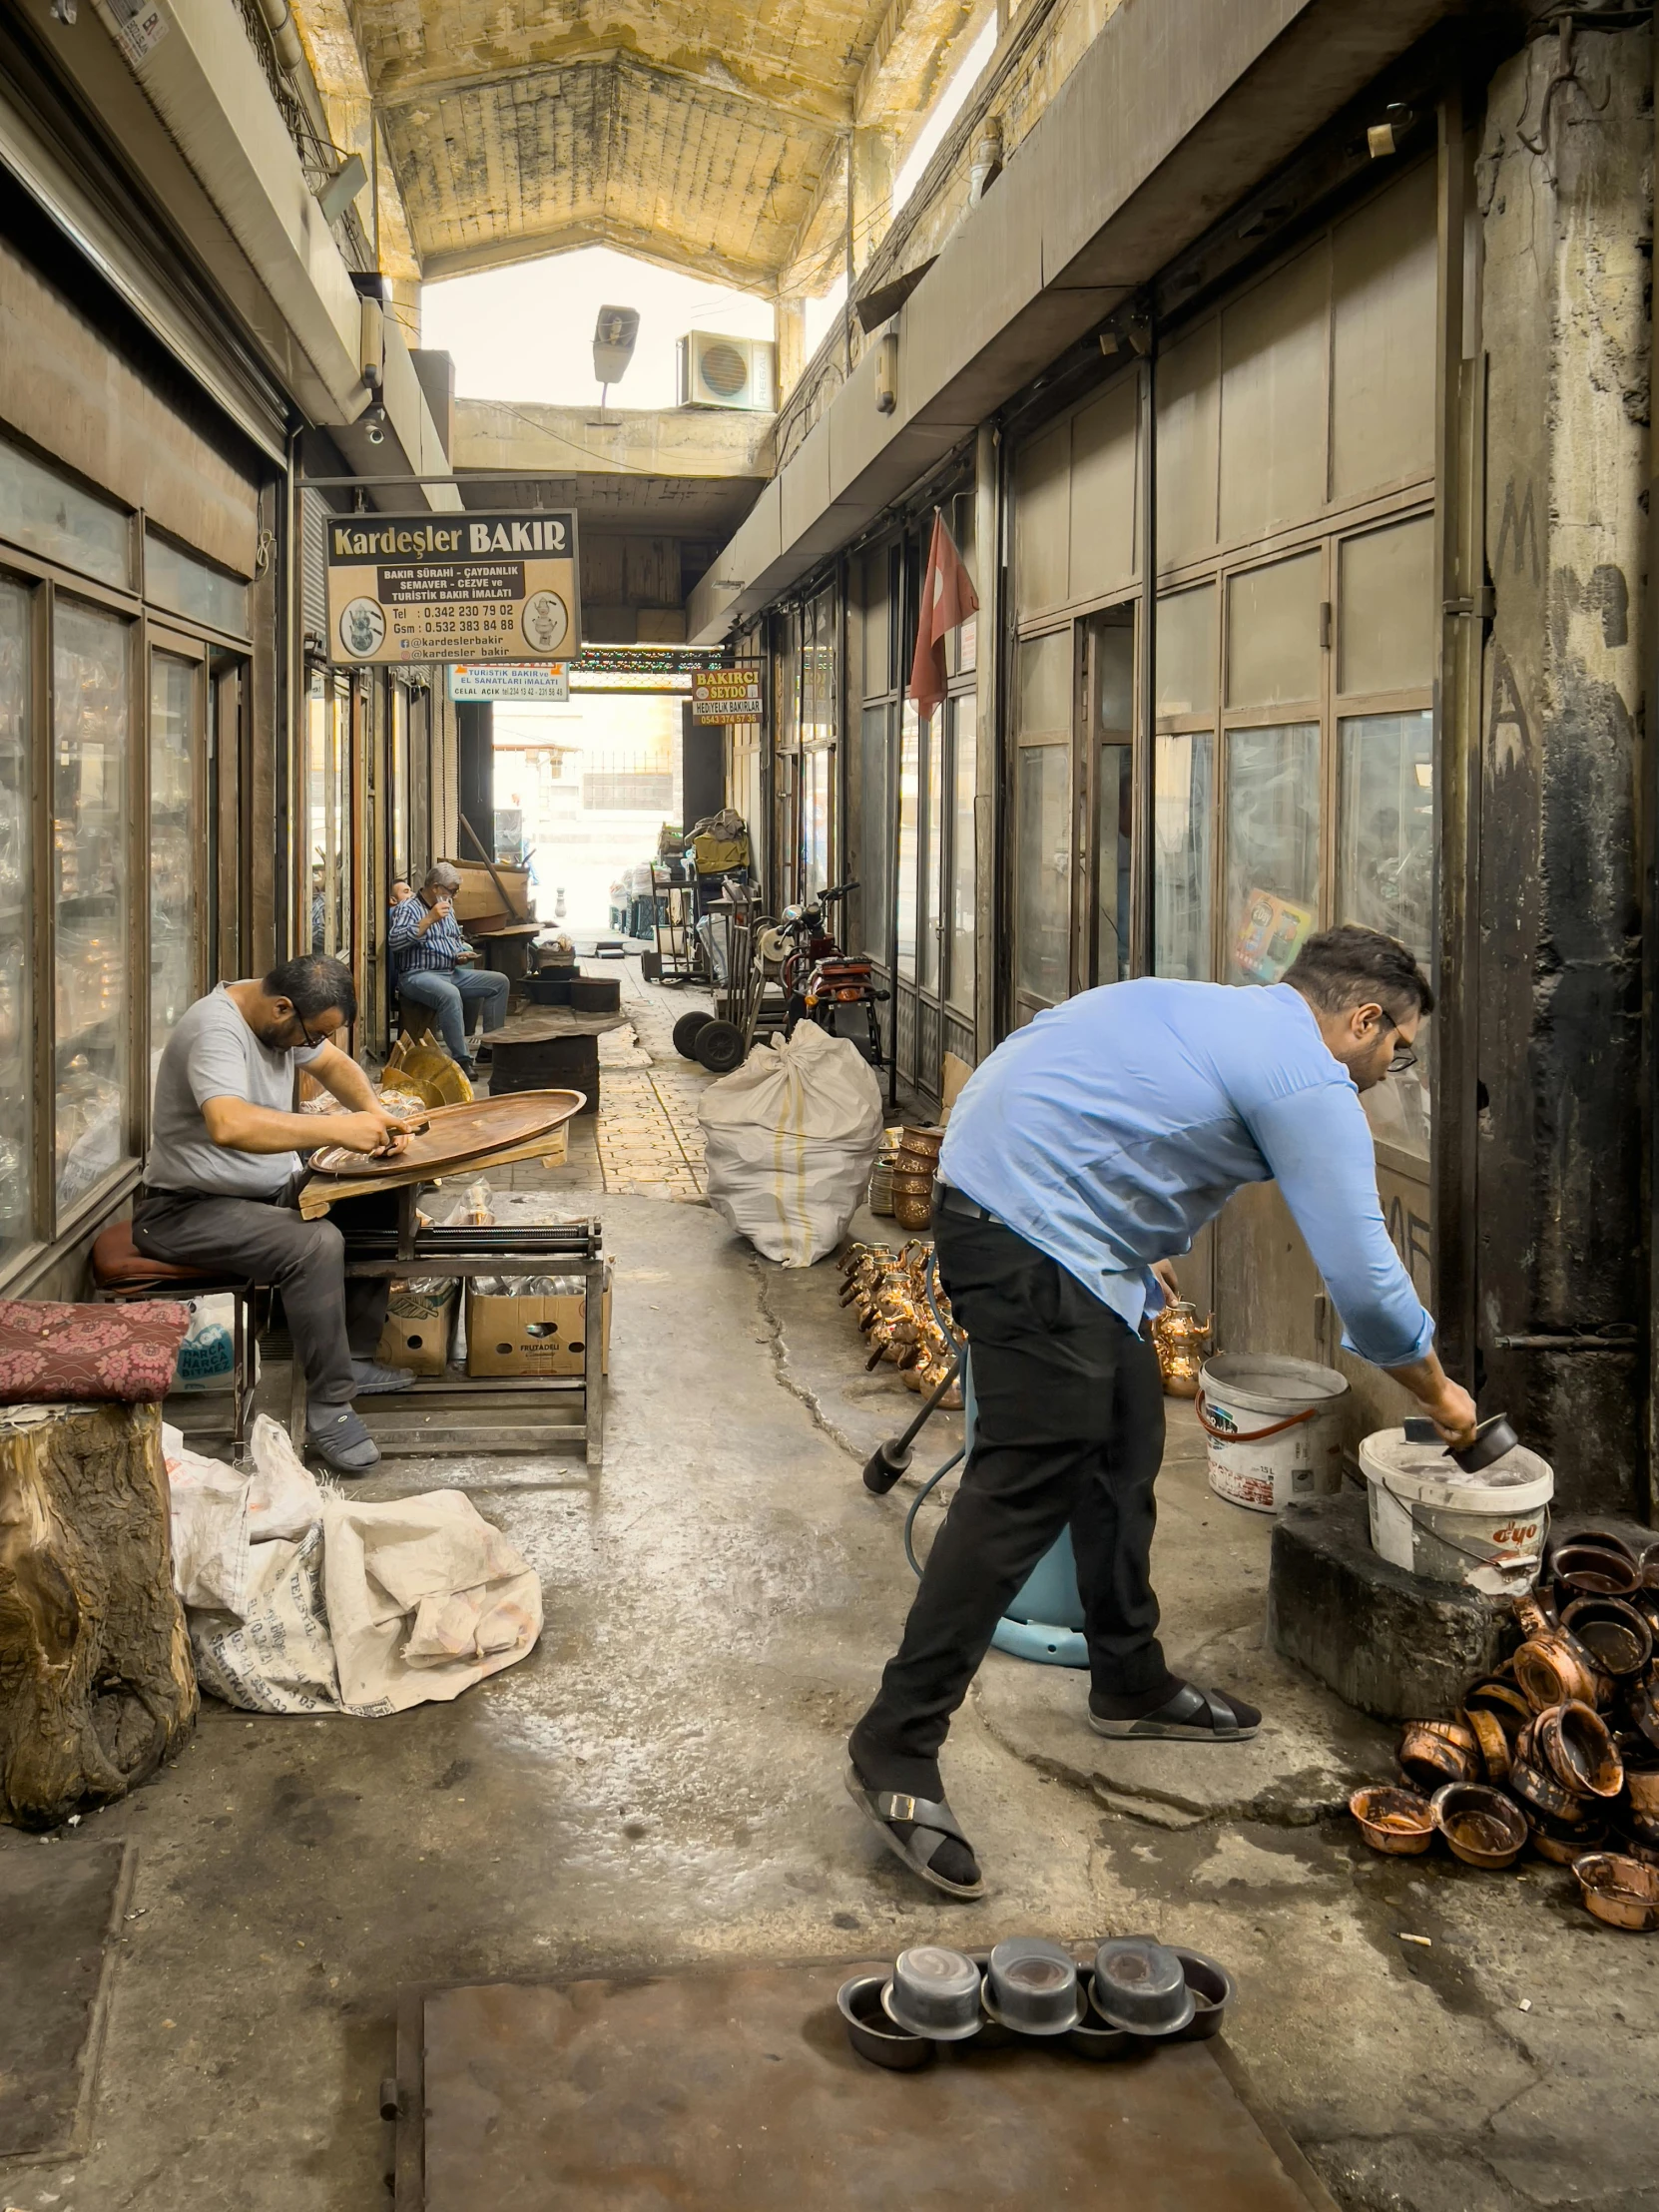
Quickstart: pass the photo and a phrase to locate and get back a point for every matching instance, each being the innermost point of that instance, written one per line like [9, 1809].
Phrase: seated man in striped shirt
[425, 950]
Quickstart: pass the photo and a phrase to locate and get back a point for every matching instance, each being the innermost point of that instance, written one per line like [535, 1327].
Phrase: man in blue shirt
[425, 947]
[1087, 1149]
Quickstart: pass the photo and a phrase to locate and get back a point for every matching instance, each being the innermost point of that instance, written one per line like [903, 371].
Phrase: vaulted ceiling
[707, 138]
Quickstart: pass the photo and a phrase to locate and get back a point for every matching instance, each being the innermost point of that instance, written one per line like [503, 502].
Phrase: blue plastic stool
[1045, 1620]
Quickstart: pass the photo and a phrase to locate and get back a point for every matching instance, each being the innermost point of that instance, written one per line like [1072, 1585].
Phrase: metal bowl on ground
[1574, 1740]
[1642, 1783]
[870, 2032]
[1488, 1731]
[1590, 1539]
[1631, 1839]
[911, 1212]
[1589, 1570]
[911, 1186]
[1531, 1612]
[1092, 2038]
[925, 1136]
[1397, 1821]
[1642, 1699]
[1561, 1845]
[1433, 1752]
[1031, 1987]
[1555, 1667]
[1212, 1991]
[1140, 1985]
[1482, 1826]
[1614, 1632]
[934, 1991]
[1535, 1784]
[1502, 1701]
[1619, 1891]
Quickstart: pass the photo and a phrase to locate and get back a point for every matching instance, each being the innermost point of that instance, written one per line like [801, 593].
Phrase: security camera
[374, 426]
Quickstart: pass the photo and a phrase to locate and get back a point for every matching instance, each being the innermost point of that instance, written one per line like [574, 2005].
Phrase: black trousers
[1069, 1427]
[331, 1321]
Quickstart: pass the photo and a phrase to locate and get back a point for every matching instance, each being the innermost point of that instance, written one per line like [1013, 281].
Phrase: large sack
[790, 1140]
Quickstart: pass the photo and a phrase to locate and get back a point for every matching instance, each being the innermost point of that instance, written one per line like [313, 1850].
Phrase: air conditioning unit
[717, 371]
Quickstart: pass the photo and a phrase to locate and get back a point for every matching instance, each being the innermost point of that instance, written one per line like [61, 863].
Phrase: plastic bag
[790, 1140]
[207, 1357]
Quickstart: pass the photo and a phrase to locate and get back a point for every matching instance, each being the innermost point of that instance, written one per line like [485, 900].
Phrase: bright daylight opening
[946, 109]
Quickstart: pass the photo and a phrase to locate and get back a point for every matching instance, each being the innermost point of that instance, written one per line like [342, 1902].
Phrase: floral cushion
[49, 1352]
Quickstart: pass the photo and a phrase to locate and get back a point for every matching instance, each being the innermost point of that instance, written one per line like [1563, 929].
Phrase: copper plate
[456, 1134]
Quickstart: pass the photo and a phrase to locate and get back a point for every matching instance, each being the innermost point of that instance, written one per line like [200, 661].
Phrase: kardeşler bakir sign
[473, 587]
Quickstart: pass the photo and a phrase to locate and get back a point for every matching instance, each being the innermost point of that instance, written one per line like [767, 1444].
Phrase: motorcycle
[819, 978]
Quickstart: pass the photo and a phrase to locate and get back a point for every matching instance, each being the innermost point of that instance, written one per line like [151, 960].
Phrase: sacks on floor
[301, 1601]
[790, 1140]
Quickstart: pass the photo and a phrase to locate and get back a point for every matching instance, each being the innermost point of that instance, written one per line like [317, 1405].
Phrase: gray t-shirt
[214, 1054]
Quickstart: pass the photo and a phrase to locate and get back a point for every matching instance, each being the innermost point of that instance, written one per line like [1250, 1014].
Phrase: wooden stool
[124, 1276]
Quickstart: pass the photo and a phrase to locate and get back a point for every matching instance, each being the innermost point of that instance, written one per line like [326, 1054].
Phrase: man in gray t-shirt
[224, 1163]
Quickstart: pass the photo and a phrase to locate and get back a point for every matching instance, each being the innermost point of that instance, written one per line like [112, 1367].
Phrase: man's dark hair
[1346, 968]
[312, 985]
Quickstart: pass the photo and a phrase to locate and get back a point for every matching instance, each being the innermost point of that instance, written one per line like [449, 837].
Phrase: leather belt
[947, 1199]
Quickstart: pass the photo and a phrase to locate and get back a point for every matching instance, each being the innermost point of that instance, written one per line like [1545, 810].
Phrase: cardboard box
[418, 1328]
[532, 1336]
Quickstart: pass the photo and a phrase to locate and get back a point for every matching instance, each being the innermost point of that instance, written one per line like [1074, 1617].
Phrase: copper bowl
[1433, 1752]
[1643, 1786]
[1488, 1731]
[1590, 1539]
[1553, 1668]
[1588, 1570]
[911, 1186]
[1538, 1789]
[1617, 1636]
[1482, 1826]
[1645, 1710]
[1503, 1701]
[1619, 1891]
[911, 1212]
[922, 1136]
[1529, 1609]
[1560, 1845]
[1574, 1740]
[1397, 1821]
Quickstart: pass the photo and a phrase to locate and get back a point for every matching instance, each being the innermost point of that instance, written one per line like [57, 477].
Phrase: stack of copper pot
[1559, 1747]
[914, 1166]
[888, 1291]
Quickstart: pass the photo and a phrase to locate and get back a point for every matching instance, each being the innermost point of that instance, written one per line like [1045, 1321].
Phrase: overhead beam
[601, 230]
[831, 111]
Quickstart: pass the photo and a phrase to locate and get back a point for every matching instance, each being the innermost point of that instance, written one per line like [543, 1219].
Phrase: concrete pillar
[1565, 186]
[871, 179]
[788, 322]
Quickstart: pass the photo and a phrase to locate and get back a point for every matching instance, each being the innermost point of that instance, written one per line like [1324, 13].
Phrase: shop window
[1272, 633]
[1185, 667]
[1114, 833]
[1045, 687]
[1385, 876]
[1183, 799]
[51, 516]
[1275, 348]
[175, 834]
[92, 902]
[1042, 903]
[1386, 608]
[1188, 432]
[878, 677]
[1383, 340]
[962, 645]
[960, 990]
[17, 968]
[190, 587]
[398, 855]
[1273, 848]
[814, 819]
[876, 826]
[1103, 492]
[930, 950]
[1043, 521]
[909, 827]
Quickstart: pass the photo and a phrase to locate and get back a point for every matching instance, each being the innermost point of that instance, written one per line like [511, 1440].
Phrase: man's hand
[372, 1131]
[1164, 1270]
[1452, 1412]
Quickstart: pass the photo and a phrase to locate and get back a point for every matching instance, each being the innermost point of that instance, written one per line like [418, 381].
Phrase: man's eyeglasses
[311, 1041]
[1404, 1059]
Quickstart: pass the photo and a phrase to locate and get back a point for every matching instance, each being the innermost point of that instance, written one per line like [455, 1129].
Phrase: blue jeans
[451, 994]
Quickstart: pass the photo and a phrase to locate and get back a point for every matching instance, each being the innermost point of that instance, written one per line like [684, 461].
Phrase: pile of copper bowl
[1108, 2000]
[888, 1291]
[914, 1166]
[1558, 1749]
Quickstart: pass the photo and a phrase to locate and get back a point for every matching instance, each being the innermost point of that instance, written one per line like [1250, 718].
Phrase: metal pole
[1142, 947]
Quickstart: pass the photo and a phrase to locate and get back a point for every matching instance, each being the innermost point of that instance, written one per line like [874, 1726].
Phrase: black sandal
[930, 1820]
[1192, 1716]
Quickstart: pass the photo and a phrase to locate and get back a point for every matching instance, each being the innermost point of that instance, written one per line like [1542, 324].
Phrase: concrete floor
[659, 1783]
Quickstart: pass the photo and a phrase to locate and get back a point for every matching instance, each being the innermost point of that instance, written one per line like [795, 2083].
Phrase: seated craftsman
[222, 1178]
[425, 951]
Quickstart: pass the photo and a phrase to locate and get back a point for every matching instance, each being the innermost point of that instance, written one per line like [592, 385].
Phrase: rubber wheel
[650, 967]
[719, 1047]
[685, 1032]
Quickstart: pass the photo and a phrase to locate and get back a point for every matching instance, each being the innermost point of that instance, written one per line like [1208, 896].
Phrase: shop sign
[546, 682]
[726, 695]
[140, 24]
[452, 588]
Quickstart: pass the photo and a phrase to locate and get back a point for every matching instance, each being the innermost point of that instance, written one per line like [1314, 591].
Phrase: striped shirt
[441, 947]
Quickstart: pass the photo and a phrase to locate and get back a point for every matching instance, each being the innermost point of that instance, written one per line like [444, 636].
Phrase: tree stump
[96, 1681]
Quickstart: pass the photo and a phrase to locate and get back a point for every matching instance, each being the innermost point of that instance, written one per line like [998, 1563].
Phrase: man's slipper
[931, 1822]
[1192, 1716]
[371, 1379]
[343, 1443]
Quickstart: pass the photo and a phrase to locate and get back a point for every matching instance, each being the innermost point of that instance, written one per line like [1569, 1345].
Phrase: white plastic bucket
[1274, 1428]
[1483, 1531]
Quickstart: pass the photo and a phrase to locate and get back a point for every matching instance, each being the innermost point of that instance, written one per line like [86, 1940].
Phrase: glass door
[1044, 845]
[1106, 776]
[17, 968]
[178, 842]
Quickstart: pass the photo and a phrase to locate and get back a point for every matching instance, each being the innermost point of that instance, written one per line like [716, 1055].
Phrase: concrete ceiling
[705, 138]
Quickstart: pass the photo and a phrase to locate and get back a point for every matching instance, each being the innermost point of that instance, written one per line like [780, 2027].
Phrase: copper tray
[456, 1134]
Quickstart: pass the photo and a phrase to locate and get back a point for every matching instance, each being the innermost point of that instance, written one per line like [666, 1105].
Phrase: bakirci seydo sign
[452, 587]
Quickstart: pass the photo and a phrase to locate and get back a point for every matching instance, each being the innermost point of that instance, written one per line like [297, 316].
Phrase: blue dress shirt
[1113, 1127]
[440, 948]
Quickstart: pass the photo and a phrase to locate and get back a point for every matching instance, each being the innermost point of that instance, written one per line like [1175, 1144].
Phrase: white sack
[790, 1140]
[218, 1516]
[424, 1598]
[278, 1658]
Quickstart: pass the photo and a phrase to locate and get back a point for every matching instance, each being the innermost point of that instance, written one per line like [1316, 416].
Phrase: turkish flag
[947, 599]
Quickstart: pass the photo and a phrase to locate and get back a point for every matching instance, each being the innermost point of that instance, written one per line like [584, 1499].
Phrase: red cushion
[117, 1265]
[52, 1351]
